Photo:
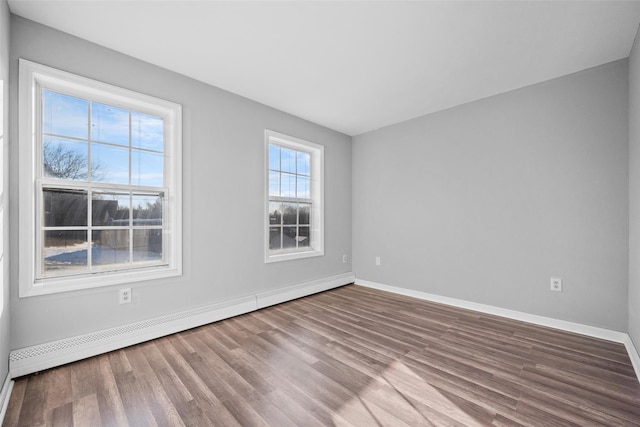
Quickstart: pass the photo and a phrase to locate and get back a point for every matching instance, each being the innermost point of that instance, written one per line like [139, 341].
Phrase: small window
[294, 211]
[99, 183]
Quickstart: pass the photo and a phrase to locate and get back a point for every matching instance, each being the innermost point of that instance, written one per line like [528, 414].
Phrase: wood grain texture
[351, 356]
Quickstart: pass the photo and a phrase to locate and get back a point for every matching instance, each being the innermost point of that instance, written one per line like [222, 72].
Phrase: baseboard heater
[55, 353]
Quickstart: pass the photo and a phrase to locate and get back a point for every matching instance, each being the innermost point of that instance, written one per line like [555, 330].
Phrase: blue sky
[289, 172]
[66, 123]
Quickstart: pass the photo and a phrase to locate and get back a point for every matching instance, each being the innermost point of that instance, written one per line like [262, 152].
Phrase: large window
[294, 198]
[99, 183]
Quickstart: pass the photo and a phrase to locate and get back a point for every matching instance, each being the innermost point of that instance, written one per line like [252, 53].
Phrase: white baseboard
[55, 353]
[578, 328]
[5, 395]
[633, 355]
[592, 331]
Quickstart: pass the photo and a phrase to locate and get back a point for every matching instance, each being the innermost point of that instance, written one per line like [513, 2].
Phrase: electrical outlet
[344, 258]
[124, 295]
[556, 284]
[378, 261]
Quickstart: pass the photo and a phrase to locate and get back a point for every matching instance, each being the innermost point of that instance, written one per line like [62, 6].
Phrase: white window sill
[288, 256]
[65, 284]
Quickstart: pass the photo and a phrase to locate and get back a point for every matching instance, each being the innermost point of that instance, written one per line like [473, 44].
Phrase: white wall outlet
[344, 258]
[124, 296]
[378, 261]
[556, 284]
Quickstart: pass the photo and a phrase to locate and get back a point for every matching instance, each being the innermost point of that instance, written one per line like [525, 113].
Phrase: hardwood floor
[351, 356]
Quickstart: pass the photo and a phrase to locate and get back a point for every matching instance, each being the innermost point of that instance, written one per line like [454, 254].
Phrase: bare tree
[60, 162]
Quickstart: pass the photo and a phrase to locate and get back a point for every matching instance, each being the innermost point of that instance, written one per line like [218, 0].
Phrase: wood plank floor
[346, 357]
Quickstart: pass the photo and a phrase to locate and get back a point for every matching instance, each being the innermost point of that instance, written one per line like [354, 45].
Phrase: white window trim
[31, 75]
[317, 196]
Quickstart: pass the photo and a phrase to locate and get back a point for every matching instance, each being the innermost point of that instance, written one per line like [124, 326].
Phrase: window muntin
[294, 198]
[105, 177]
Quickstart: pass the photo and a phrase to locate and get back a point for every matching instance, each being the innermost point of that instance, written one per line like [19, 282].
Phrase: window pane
[288, 183]
[275, 213]
[147, 168]
[288, 160]
[304, 212]
[147, 131]
[274, 183]
[64, 115]
[110, 209]
[304, 163]
[109, 124]
[64, 208]
[64, 251]
[303, 189]
[110, 247]
[289, 214]
[64, 158]
[147, 245]
[147, 209]
[112, 163]
[303, 237]
[288, 237]
[275, 237]
[274, 157]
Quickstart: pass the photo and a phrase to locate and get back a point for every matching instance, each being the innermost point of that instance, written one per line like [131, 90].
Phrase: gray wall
[223, 149]
[486, 201]
[634, 194]
[4, 128]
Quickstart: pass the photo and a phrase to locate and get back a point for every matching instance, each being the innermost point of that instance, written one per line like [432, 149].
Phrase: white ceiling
[355, 66]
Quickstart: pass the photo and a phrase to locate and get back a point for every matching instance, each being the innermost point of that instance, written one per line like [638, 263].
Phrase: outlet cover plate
[124, 296]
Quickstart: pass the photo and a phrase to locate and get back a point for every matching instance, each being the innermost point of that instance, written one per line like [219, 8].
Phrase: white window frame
[317, 196]
[32, 77]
